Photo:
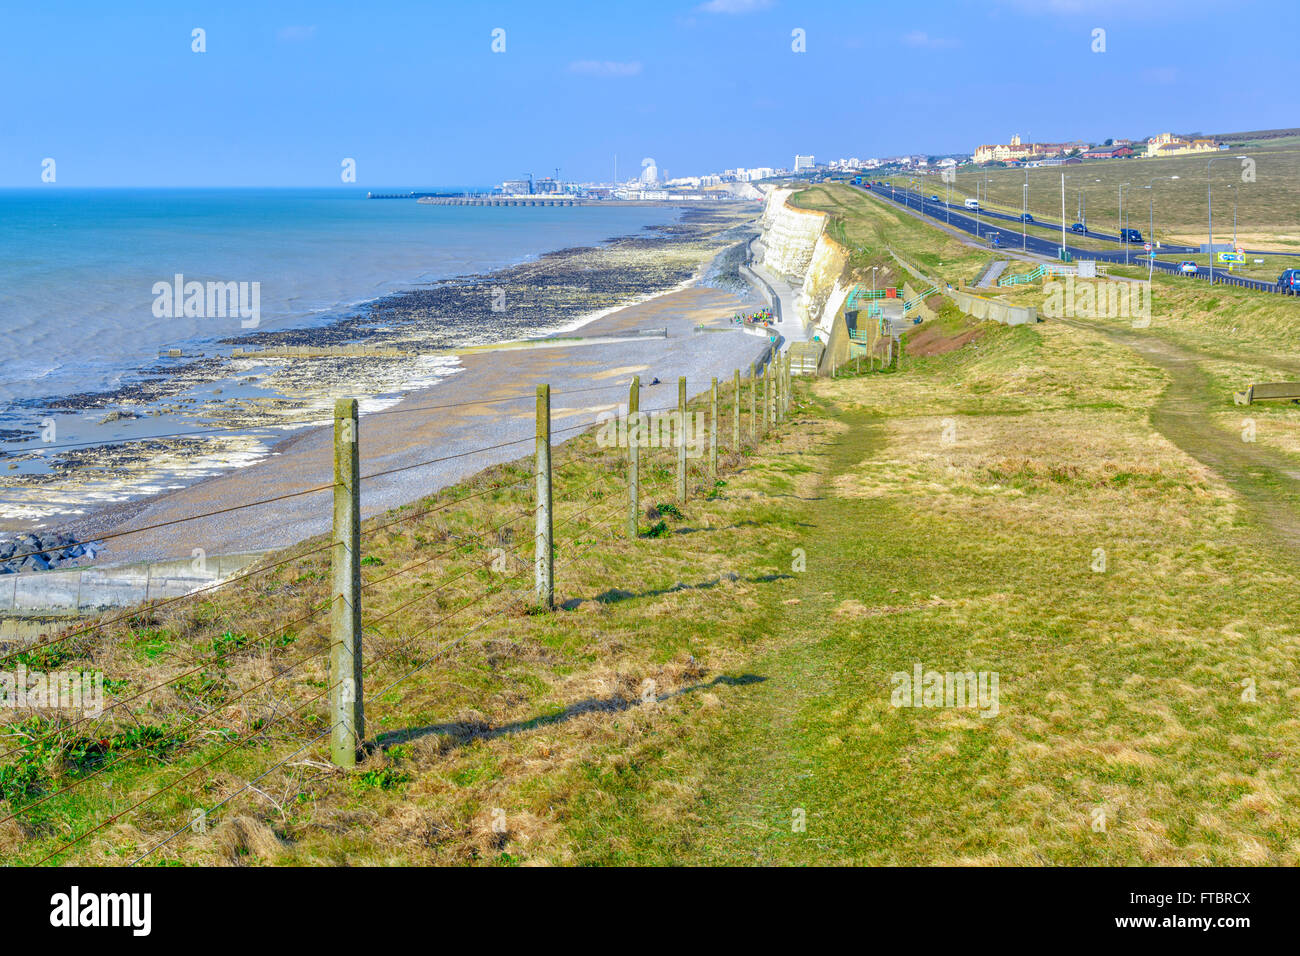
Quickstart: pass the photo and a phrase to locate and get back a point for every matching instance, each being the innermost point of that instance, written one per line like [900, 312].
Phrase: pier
[501, 201]
[410, 195]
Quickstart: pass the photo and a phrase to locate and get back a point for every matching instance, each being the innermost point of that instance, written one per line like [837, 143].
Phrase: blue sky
[414, 93]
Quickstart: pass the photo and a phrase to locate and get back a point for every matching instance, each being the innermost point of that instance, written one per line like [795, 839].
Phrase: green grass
[720, 689]
[701, 693]
[1267, 268]
[1268, 209]
[868, 228]
[978, 556]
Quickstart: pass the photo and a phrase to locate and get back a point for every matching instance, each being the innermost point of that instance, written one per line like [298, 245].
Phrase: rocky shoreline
[41, 552]
[256, 404]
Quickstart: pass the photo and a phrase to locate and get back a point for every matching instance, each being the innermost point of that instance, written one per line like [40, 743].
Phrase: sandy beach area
[440, 370]
[492, 402]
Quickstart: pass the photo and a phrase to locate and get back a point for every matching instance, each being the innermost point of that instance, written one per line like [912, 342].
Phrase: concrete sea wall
[96, 588]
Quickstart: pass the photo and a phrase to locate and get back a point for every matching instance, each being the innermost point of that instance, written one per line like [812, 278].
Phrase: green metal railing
[918, 299]
[1022, 279]
[860, 293]
[1038, 273]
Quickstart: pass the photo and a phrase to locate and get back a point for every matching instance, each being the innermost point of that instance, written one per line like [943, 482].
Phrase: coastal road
[977, 225]
[1171, 248]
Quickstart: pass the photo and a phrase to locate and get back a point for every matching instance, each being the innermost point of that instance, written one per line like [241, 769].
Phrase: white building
[803, 162]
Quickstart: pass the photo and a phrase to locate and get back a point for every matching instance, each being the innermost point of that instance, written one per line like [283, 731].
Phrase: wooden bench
[1283, 390]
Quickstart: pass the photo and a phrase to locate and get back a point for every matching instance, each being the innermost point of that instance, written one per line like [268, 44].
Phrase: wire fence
[134, 728]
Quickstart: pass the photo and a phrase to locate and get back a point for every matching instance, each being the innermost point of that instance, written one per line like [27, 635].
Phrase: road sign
[1230, 257]
[1146, 246]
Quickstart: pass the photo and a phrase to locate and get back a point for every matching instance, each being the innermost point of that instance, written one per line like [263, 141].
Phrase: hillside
[1266, 196]
[1032, 505]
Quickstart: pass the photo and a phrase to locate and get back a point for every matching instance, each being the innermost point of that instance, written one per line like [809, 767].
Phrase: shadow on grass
[743, 524]
[615, 595]
[463, 733]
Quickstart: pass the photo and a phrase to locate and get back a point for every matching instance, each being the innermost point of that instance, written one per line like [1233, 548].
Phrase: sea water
[79, 268]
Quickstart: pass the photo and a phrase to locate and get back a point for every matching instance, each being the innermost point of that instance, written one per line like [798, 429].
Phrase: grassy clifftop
[1033, 503]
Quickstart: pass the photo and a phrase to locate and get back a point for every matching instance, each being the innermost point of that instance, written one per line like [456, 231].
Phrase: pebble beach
[458, 381]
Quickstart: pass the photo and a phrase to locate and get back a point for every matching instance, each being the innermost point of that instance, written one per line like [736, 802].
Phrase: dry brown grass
[488, 694]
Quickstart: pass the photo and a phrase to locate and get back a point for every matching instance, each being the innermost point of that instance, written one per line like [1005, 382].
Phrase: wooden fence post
[681, 440]
[753, 421]
[544, 542]
[767, 397]
[785, 386]
[735, 415]
[789, 379]
[347, 710]
[780, 390]
[713, 431]
[774, 391]
[633, 456]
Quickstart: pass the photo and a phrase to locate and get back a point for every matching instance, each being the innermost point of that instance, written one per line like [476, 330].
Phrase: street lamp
[1123, 238]
[1083, 207]
[1209, 207]
[1062, 217]
[1024, 209]
[1234, 220]
[1151, 225]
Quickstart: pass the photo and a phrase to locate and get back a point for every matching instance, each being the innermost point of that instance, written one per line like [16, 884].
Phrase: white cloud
[604, 68]
[734, 6]
[920, 38]
[1116, 9]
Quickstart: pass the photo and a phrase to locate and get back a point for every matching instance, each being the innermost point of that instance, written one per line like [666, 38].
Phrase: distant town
[652, 184]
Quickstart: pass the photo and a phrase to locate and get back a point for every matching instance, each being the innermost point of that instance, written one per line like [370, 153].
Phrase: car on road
[1188, 267]
[1026, 217]
[972, 203]
[1130, 235]
[1078, 227]
[934, 199]
[1289, 281]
